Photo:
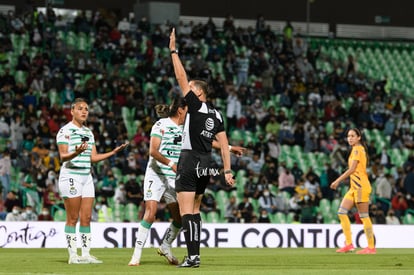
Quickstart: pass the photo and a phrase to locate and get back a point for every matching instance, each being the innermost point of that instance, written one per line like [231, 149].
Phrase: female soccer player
[77, 151]
[203, 124]
[358, 193]
[159, 181]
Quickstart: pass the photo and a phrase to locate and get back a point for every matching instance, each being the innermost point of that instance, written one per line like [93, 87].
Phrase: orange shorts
[358, 195]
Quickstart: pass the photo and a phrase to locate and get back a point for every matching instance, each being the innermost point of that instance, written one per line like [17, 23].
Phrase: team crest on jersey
[72, 190]
[209, 124]
[148, 194]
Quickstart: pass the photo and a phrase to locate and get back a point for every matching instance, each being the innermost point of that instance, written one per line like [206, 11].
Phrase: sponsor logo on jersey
[207, 134]
[209, 124]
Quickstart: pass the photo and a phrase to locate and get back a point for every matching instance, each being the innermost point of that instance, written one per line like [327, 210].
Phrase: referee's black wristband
[174, 51]
[228, 172]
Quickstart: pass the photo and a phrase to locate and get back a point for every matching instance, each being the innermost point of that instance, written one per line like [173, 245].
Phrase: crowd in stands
[277, 103]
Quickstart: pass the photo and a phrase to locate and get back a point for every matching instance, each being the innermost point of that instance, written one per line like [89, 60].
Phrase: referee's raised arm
[179, 70]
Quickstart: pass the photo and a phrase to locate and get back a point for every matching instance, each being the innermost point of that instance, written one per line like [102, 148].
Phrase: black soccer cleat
[190, 263]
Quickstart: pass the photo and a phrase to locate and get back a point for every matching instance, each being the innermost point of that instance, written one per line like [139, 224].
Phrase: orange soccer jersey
[360, 187]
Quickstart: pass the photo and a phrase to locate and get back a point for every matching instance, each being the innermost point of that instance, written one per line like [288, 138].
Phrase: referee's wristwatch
[174, 51]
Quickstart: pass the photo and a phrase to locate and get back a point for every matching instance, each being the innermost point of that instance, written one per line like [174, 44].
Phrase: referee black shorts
[193, 172]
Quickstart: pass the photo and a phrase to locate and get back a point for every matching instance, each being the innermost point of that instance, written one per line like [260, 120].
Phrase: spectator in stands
[307, 210]
[245, 208]
[391, 218]
[399, 204]
[133, 190]
[255, 165]
[272, 127]
[409, 179]
[107, 189]
[208, 203]
[231, 214]
[264, 217]
[4, 128]
[287, 181]
[11, 201]
[242, 64]
[286, 134]
[30, 195]
[29, 214]
[120, 194]
[233, 109]
[267, 201]
[51, 198]
[313, 186]
[5, 173]
[383, 191]
[15, 215]
[301, 190]
[144, 25]
[45, 215]
[377, 215]
[288, 30]
[296, 171]
[327, 176]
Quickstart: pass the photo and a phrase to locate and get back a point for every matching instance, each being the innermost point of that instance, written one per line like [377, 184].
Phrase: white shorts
[72, 185]
[156, 186]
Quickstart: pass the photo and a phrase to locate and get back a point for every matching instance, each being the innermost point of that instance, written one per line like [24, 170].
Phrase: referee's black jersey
[201, 125]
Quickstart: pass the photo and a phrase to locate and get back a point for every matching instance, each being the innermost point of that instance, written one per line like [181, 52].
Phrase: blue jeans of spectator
[5, 182]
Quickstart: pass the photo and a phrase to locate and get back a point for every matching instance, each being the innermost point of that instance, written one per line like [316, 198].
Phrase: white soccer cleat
[76, 259]
[165, 251]
[134, 261]
[91, 260]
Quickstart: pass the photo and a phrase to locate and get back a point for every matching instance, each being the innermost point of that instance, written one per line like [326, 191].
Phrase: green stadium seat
[59, 215]
[289, 217]
[277, 217]
[203, 216]
[131, 212]
[335, 205]
[213, 217]
[118, 212]
[408, 218]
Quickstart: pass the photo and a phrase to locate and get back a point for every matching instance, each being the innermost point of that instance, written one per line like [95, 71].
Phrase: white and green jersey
[72, 135]
[171, 137]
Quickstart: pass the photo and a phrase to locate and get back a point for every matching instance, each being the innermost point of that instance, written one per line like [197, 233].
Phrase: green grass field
[213, 261]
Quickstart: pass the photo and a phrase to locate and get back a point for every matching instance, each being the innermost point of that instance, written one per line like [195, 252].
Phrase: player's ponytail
[162, 110]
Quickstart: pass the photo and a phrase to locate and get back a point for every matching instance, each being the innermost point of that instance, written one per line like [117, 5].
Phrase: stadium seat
[324, 204]
[289, 217]
[59, 215]
[335, 205]
[408, 219]
[203, 216]
[213, 217]
[236, 136]
[324, 208]
[277, 217]
[131, 212]
[117, 173]
[118, 213]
